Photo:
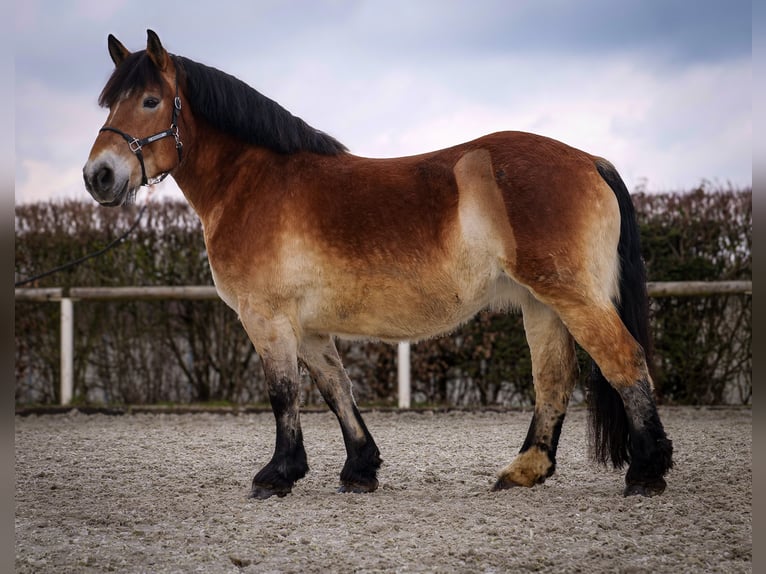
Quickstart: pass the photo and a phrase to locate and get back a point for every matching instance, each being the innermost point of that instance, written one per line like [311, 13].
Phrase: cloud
[672, 129]
[44, 180]
[54, 133]
[696, 124]
[98, 10]
[660, 89]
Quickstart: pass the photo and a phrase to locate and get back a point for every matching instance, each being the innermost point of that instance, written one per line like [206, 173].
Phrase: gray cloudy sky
[660, 87]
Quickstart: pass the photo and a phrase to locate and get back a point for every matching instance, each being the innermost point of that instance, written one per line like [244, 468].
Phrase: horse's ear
[117, 51]
[156, 52]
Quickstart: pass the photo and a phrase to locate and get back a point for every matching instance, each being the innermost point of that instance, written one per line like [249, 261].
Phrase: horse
[309, 243]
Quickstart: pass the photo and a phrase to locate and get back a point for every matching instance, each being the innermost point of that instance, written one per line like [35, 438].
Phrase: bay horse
[308, 242]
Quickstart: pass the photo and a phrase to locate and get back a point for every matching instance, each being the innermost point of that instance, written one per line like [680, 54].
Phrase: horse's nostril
[104, 179]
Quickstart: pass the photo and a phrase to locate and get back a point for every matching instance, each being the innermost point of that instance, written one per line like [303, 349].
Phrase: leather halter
[136, 144]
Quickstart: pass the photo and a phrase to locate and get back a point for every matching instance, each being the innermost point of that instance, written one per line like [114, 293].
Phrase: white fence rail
[66, 297]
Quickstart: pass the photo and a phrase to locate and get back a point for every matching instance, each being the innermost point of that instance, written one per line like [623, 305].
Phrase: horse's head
[139, 143]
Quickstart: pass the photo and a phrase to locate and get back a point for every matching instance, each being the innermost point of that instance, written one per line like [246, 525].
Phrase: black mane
[227, 103]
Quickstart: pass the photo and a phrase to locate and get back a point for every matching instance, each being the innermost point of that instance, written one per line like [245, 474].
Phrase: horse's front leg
[320, 356]
[275, 342]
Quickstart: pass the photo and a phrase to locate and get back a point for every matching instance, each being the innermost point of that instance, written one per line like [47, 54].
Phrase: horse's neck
[212, 162]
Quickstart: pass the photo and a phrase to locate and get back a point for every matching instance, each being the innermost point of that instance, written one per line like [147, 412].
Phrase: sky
[661, 88]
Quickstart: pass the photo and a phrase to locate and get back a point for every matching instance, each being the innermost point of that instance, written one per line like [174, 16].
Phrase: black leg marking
[363, 460]
[545, 436]
[651, 452]
[288, 463]
[537, 458]
[359, 474]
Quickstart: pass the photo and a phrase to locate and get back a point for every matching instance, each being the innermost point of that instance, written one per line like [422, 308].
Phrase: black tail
[608, 420]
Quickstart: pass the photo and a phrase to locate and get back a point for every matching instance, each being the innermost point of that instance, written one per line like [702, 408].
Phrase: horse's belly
[389, 309]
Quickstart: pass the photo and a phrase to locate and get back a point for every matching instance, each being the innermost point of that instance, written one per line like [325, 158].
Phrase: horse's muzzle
[105, 184]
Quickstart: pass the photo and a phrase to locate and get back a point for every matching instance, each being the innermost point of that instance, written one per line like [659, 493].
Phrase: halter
[136, 144]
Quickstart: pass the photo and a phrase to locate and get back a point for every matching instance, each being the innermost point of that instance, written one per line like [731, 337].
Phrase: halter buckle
[135, 145]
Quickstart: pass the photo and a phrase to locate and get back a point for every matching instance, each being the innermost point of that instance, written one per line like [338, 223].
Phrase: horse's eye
[151, 102]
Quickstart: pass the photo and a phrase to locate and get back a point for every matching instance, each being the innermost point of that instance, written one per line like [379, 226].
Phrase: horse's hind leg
[274, 340]
[554, 373]
[622, 362]
[320, 356]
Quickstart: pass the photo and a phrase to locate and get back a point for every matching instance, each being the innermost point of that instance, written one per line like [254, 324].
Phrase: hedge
[196, 351]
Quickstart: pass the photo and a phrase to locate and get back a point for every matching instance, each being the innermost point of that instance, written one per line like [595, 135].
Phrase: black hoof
[278, 479]
[262, 492]
[358, 488]
[654, 488]
[505, 484]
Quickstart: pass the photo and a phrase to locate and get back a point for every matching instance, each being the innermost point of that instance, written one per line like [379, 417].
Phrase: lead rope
[111, 245]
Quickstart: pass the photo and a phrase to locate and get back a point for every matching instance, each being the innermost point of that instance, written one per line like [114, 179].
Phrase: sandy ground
[167, 493]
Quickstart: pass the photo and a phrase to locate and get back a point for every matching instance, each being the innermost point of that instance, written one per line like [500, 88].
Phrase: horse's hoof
[654, 488]
[357, 488]
[505, 483]
[262, 492]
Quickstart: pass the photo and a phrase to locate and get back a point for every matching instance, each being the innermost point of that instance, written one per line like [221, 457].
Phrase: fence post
[67, 350]
[403, 371]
